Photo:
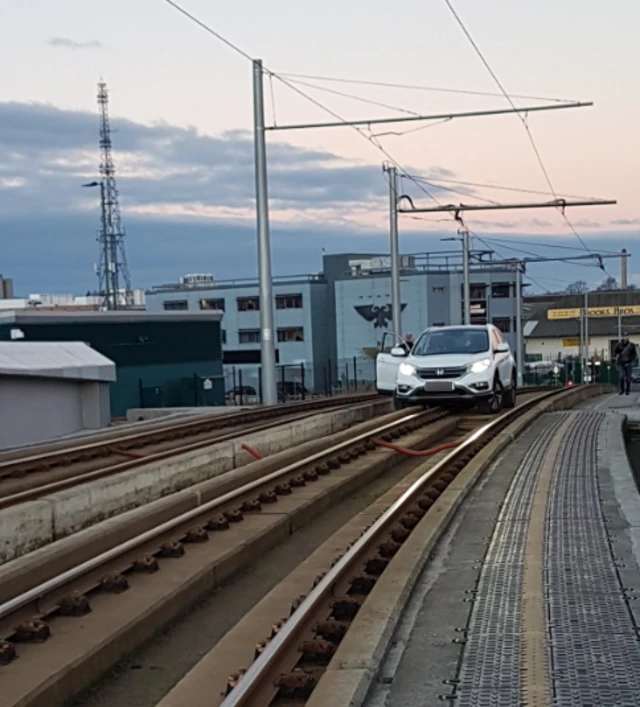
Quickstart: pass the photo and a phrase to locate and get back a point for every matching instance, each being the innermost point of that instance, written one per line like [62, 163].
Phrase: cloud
[165, 169]
[625, 222]
[587, 223]
[188, 202]
[66, 43]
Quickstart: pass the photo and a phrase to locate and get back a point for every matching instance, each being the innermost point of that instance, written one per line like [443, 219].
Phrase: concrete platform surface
[530, 597]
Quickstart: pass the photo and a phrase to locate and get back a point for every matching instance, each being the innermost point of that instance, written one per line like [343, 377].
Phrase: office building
[332, 323]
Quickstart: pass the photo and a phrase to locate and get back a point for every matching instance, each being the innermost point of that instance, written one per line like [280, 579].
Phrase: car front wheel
[399, 404]
[493, 404]
[509, 399]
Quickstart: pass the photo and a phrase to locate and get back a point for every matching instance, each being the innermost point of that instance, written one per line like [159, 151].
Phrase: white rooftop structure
[44, 359]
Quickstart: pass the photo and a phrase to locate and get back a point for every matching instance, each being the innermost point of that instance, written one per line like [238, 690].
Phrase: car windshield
[452, 341]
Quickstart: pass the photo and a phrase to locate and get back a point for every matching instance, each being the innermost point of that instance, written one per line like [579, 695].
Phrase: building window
[249, 336]
[477, 291]
[503, 324]
[173, 305]
[500, 291]
[248, 304]
[437, 289]
[223, 336]
[289, 334]
[212, 304]
[288, 301]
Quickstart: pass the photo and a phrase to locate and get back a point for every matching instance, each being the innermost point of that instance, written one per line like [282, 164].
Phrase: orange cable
[252, 451]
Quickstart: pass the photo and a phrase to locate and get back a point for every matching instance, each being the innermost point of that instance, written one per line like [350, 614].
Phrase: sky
[181, 110]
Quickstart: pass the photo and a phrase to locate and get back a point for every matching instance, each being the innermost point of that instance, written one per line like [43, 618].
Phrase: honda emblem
[440, 372]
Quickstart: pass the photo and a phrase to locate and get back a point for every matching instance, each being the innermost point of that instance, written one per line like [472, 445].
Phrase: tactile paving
[594, 651]
[594, 648]
[604, 697]
[490, 672]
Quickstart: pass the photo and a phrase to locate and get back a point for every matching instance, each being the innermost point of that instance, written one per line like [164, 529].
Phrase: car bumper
[453, 390]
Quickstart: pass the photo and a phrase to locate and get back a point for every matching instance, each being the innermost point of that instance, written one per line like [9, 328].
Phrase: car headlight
[406, 369]
[480, 366]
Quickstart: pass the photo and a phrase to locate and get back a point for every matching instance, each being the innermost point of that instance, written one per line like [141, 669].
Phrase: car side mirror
[502, 348]
[399, 351]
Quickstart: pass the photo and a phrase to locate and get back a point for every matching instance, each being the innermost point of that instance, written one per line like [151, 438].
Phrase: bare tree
[579, 287]
[609, 283]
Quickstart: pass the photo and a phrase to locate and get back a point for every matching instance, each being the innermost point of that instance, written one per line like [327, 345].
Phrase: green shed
[163, 359]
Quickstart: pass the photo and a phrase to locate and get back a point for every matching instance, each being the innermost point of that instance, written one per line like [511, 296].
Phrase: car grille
[440, 373]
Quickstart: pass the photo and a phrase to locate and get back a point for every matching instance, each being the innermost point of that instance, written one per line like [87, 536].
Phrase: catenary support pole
[396, 306]
[267, 346]
[582, 346]
[619, 323]
[466, 277]
[519, 327]
[586, 336]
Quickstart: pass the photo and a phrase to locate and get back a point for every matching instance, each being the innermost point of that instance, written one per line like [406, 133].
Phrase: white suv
[454, 364]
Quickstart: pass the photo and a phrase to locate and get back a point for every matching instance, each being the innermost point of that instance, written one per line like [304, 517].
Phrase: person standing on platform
[626, 355]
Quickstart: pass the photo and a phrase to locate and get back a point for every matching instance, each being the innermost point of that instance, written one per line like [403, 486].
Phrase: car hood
[446, 360]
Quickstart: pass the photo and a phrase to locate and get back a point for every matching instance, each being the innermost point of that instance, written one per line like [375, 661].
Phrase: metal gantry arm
[520, 263]
[554, 204]
[426, 118]
[269, 388]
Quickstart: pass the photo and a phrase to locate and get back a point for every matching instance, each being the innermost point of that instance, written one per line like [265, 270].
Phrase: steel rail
[38, 592]
[241, 695]
[215, 421]
[85, 477]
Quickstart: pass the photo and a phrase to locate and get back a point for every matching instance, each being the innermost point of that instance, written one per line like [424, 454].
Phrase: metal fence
[567, 370]
[300, 381]
[192, 391]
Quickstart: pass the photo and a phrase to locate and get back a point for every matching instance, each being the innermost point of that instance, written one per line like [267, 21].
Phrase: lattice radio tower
[113, 272]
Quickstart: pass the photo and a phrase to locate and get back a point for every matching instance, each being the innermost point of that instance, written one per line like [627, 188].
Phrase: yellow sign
[569, 343]
[630, 311]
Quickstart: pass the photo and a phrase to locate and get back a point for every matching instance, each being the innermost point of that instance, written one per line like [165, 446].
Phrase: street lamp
[111, 297]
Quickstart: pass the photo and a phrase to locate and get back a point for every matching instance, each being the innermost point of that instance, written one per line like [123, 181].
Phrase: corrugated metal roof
[74, 360]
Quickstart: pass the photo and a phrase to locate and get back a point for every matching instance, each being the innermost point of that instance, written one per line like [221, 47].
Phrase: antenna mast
[113, 272]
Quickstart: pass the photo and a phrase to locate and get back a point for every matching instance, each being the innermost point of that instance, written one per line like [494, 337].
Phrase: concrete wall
[38, 409]
[31, 525]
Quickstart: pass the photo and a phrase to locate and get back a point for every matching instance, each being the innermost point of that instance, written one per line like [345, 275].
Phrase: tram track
[291, 661]
[51, 468]
[111, 602]
[60, 633]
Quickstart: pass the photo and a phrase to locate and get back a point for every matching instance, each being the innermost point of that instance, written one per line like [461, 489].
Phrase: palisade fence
[301, 381]
[563, 372]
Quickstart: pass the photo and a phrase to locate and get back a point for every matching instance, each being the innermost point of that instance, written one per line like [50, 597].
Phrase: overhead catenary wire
[209, 29]
[499, 187]
[488, 245]
[370, 138]
[520, 116]
[352, 96]
[551, 245]
[536, 255]
[457, 191]
[414, 87]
